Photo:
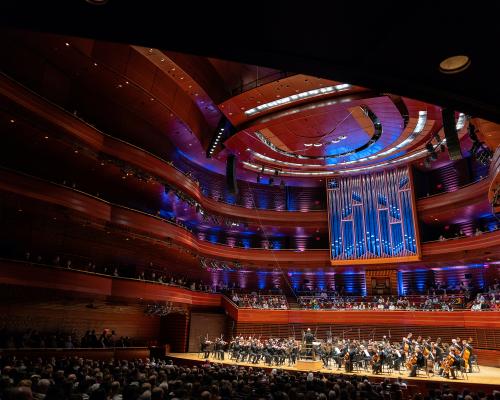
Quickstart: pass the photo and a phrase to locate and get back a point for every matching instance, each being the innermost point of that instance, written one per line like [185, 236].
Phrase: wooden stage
[487, 375]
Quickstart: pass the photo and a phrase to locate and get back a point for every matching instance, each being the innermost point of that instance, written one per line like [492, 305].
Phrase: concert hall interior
[256, 216]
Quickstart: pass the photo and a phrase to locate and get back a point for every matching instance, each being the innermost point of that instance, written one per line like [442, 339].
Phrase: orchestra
[413, 354]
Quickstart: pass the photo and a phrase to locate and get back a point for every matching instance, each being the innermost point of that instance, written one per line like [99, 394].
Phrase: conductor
[309, 339]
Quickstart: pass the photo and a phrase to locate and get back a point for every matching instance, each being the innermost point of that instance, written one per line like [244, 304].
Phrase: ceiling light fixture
[297, 97]
[454, 65]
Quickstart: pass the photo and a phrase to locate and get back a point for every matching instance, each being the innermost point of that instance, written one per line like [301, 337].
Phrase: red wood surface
[30, 275]
[157, 228]
[127, 353]
[489, 320]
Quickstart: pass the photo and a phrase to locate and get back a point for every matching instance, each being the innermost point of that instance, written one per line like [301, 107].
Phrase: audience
[76, 378]
[268, 302]
[35, 339]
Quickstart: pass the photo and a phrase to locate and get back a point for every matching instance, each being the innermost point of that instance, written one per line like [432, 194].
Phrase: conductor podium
[309, 365]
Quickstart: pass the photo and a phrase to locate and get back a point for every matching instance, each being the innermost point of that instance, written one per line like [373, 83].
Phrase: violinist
[205, 346]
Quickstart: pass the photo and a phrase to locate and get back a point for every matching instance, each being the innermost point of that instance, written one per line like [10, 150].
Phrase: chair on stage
[474, 364]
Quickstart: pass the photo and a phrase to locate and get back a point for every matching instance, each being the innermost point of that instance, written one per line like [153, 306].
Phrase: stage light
[258, 178]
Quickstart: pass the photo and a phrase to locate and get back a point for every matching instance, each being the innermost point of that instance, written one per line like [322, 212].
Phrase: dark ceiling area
[381, 46]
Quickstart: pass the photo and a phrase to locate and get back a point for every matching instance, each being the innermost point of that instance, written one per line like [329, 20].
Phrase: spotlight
[262, 170]
[442, 147]
[434, 156]
[429, 147]
[258, 178]
[271, 181]
[276, 172]
[282, 184]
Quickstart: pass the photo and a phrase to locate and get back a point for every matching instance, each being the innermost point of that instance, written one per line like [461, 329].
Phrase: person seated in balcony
[478, 232]
[441, 238]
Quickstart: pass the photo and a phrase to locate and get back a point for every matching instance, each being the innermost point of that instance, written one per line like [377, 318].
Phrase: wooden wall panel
[202, 324]
[174, 331]
[30, 275]
[73, 316]
[482, 337]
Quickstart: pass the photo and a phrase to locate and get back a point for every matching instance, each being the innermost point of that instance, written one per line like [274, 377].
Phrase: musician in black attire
[205, 347]
[349, 358]
[308, 340]
[377, 361]
[466, 347]
[420, 361]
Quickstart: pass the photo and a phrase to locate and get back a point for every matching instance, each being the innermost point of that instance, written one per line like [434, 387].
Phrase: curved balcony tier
[147, 225]
[88, 136]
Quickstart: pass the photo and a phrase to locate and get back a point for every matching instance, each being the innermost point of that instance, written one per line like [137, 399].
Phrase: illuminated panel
[372, 218]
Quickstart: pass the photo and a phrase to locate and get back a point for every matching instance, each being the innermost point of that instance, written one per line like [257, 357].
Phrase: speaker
[232, 185]
[450, 132]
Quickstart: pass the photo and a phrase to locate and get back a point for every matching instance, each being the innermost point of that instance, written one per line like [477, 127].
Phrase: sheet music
[337, 350]
[398, 353]
[366, 353]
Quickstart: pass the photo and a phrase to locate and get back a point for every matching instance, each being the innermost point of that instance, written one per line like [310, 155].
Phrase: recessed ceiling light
[95, 64]
[455, 64]
[45, 137]
[12, 121]
[67, 44]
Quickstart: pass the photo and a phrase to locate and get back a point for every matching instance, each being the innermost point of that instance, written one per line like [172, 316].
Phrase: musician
[417, 361]
[349, 358]
[219, 348]
[397, 356]
[466, 354]
[377, 360]
[205, 347]
[450, 363]
[308, 340]
[366, 354]
[407, 346]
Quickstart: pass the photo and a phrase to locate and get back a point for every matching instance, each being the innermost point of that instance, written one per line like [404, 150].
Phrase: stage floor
[488, 375]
